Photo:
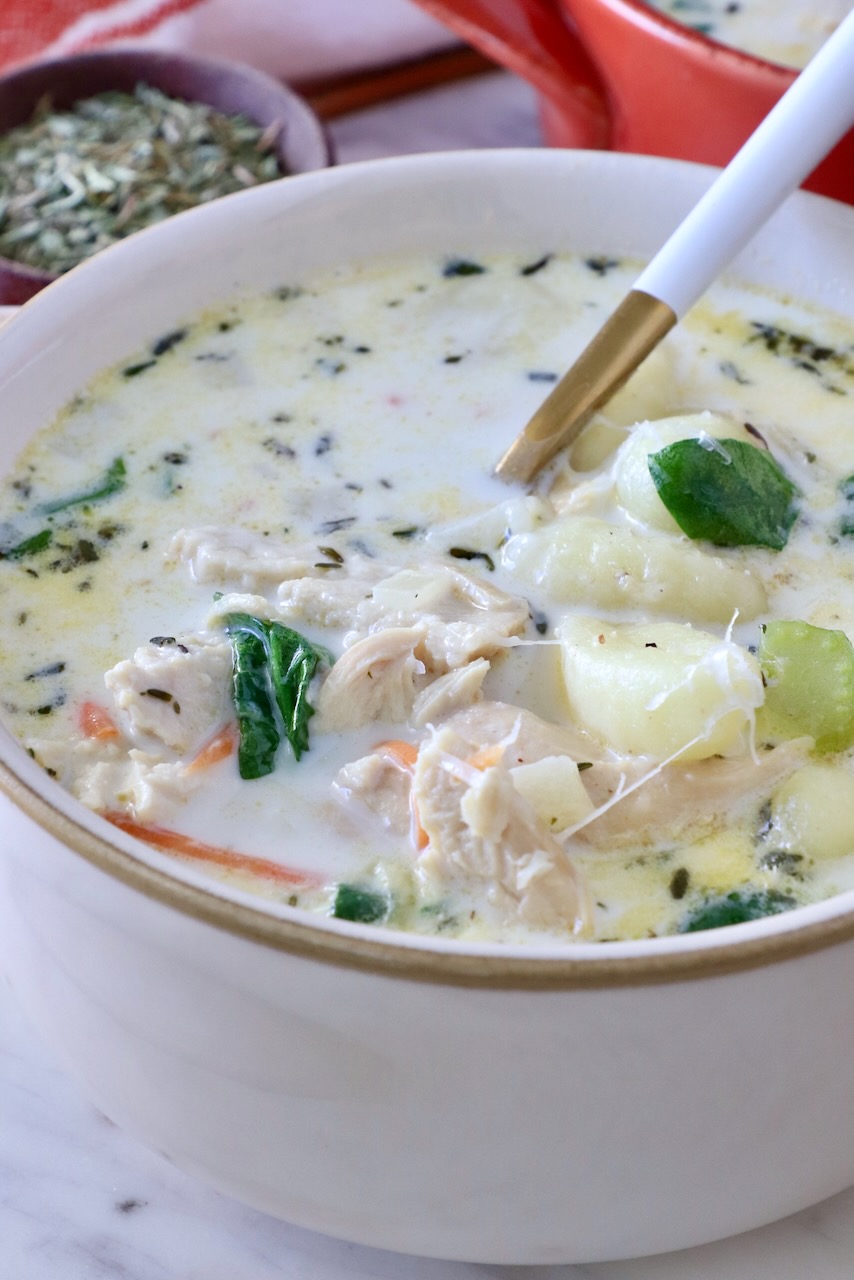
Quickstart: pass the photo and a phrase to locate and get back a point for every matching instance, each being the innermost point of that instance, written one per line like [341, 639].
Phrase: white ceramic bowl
[469, 1102]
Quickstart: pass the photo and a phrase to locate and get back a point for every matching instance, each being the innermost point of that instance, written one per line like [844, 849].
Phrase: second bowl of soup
[690, 80]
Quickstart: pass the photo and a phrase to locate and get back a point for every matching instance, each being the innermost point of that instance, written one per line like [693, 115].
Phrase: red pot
[619, 74]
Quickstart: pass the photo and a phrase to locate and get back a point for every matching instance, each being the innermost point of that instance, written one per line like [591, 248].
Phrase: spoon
[796, 134]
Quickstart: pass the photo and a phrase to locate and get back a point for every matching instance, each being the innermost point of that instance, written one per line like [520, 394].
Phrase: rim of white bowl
[413, 957]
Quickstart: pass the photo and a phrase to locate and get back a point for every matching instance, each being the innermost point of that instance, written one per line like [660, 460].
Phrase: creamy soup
[780, 31]
[266, 608]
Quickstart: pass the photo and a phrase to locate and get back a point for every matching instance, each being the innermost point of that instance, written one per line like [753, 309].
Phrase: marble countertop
[81, 1201]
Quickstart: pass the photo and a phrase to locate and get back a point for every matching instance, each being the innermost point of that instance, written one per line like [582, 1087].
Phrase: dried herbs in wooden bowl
[97, 146]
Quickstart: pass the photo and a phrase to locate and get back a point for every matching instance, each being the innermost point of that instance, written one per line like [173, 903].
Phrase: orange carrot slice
[486, 757]
[403, 753]
[417, 833]
[95, 721]
[196, 850]
[219, 747]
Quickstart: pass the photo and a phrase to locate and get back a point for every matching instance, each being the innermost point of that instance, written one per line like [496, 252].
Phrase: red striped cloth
[38, 28]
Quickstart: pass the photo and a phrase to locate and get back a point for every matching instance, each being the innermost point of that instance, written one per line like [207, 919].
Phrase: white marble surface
[81, 1201]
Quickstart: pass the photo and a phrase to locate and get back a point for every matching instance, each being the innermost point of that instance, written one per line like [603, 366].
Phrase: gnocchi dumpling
[812, 812]
[659, 689]
[585, 560]
[634, 486]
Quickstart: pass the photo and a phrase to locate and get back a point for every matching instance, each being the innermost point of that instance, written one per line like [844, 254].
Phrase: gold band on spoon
[627, 337]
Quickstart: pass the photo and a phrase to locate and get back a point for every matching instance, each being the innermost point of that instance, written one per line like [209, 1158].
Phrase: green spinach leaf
[29, 546]
[256, 724]
[112, 481]
[738, 907]
[726, 491]
[363, 906]
[293, 662]
[283, 664]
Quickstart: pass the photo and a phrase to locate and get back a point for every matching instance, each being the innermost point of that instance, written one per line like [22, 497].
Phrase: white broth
[534, 714]
[784, 31]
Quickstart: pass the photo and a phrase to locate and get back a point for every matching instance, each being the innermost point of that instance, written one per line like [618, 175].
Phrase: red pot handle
[531, 38]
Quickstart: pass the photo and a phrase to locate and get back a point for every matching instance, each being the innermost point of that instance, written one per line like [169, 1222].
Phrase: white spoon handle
[811, 116]
[796, 134]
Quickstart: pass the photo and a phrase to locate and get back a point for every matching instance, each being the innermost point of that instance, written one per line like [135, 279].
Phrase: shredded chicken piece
[681, 796]
[481, 832]
[671, 801]
[449, 693]
[240, 602]
[376, 679]
[105, 775]
[332, 599]
[478, 828]
[177, 693]
[148, 788]
[68, 758]
[463, 616]
[382, 783]
[240, 558]
[530, 738]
